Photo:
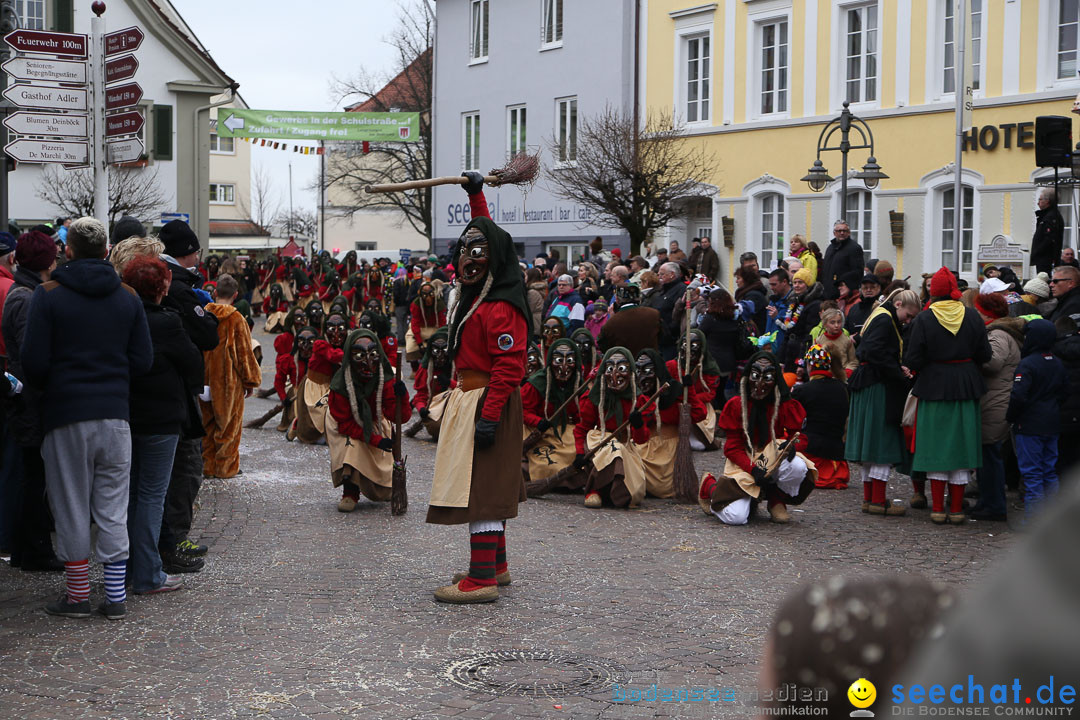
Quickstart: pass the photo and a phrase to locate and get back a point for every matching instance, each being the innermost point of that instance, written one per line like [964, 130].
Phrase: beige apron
[315, 398]
[287, 292]
[746, 480]
[257, 296]
[633, 470]
[433, 422]
[275, 322]
[707, 427]
[552, 454]
[454, 455]
[658, 459]
[374, 464]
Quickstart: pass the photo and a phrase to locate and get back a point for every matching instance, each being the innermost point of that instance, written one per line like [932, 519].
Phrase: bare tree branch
[348, 169]
[265, 200]
[301, 222]
[638, 192]
[132, 191]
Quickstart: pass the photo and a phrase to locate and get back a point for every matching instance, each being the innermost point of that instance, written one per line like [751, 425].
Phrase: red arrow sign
[121, 68]
[125, 40]
[49, 43]
[125, 123]
[123, 96]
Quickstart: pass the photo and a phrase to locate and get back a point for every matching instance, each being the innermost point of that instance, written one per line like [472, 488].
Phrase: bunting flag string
[284, 146]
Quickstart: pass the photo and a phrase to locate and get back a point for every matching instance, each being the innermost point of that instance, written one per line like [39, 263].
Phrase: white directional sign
[49, 151]
[124, 151]
[50, 98]
[30, 68]
[32, 123]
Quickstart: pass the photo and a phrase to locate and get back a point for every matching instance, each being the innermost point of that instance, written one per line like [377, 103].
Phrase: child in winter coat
[1034, 409]
[837, 342]
[596, 315]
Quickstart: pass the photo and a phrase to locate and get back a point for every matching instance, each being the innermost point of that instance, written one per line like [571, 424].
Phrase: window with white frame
[860, 218]
[551, 23]
[566, 129]
[771, 229]
[774, 55]
[1068, 23]
[697, 80]
[478, 34]
[222, 194]
[470, 141]
[958, 253]
[222, 145]
[515, 129]
[31, 14]
[950, 33]
[861, 53]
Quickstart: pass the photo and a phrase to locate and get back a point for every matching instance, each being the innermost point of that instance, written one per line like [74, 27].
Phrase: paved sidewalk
[304, 612]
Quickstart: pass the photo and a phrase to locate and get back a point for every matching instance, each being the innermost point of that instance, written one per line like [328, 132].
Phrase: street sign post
[49, 70]
[124, 151]
[47, 98]
[306, 125]
[123, 96]
[125, 123]
[49, 151]
[126, 40]
[48, 43]
[54, 124]
[121, 68]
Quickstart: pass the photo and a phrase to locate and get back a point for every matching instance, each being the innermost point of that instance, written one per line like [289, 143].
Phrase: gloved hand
[636, 420]
[761, 478]
[543, 425]
[580, 462]
[400, 390]
[790, 452]
[677, 384]
[485, 433]
[424, 412]
[476, 182]
[386, 444]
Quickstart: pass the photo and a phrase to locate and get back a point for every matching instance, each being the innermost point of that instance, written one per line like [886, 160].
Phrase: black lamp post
[818, 177]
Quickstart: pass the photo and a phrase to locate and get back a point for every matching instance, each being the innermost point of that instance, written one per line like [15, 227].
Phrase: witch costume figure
[433, 382]
[477, 464]
[544, 392]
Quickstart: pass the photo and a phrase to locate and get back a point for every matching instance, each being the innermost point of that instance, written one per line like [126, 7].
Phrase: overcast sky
[285, 55]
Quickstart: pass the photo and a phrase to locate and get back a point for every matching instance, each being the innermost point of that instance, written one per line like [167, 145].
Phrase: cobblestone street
[304, 612]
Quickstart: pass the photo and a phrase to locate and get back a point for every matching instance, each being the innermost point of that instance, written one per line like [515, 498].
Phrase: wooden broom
[686, 477]
[521, 170]
[399, 496]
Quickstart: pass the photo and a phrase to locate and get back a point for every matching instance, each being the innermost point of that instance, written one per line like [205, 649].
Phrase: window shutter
[163, 131]
[63, 15]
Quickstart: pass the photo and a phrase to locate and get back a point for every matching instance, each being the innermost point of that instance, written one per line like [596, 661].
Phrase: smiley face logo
[862, 693]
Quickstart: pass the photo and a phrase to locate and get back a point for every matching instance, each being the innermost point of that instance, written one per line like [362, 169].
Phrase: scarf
[950, 313]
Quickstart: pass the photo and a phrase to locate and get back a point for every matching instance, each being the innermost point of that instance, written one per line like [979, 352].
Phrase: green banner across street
[303, 125]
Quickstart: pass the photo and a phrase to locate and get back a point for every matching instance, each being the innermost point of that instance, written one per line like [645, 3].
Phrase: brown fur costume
[230, 370]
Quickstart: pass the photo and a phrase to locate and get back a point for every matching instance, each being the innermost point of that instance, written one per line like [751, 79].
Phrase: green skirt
[948, 436]
[870, 439]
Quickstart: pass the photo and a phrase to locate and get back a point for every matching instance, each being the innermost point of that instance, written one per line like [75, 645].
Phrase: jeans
[992, 480]
[151, 467]
[1037, 455]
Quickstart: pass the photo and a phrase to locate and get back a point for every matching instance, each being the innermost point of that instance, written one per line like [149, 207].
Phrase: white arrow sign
[233, 123]
[49, 151]
[124, 151]
[29, 68]
[50, 98]
[31, 123]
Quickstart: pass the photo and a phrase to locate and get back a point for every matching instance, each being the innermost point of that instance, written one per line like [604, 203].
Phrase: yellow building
[755, 81]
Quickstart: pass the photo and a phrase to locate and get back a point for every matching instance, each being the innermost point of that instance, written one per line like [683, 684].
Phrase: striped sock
[114, 581]
[481, 561]
[500, 553]
[77, 578]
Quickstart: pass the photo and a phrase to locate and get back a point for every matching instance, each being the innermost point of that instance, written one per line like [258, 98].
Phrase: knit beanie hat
[35, 251]
[992, 305]
[179, 239]
[1038, 286]
[7, 243]
[126, 227]
[818, 361]
[805, 275]
[943, 285]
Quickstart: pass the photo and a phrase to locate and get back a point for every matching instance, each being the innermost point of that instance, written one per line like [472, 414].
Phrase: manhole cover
[535, 673]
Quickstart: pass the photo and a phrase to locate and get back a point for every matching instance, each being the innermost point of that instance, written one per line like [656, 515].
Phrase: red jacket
[670, 414]
[532, 407]
[494, 341]
[421, 397]
[416, 321]
[325, 359]
[342, 412]
[788, 421]
[284, 364]
[590, 419]
[706, 389]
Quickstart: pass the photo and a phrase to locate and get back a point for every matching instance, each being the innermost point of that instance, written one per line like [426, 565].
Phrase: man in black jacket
[1065, 286]
[178, 554]
[669, 293]
[1049, 232]
[843, 256]
[869, 290]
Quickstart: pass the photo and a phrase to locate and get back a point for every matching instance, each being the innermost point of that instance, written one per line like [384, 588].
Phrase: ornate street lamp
[817, 177]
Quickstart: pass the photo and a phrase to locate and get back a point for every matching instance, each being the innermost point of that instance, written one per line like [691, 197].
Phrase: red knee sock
[867, 492]
[937, 490]
[878, 497]
[481, 561]
[956, 498]
[500, 553]
[77, 579]
[707, 487]
[919, 486]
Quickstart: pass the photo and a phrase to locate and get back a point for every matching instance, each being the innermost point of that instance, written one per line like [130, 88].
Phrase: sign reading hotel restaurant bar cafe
[1020, 135]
